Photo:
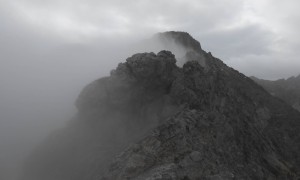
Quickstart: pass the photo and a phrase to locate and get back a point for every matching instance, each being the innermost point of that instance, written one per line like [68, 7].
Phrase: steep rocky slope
[285, 89]
[151, 119]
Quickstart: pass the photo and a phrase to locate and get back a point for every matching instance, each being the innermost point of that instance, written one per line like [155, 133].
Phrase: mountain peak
[151, 119]
[181, 38]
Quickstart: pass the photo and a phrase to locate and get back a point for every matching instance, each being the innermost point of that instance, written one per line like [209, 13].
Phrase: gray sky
[257, 37]
[50, 49]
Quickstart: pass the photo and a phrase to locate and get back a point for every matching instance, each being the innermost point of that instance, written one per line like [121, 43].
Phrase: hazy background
[50, 49]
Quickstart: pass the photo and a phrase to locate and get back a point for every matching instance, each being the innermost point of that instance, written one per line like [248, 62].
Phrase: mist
[45, 62]
[40, 87]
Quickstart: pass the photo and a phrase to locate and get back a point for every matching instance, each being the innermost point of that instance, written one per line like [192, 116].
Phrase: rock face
[288, 90]
[151, 119]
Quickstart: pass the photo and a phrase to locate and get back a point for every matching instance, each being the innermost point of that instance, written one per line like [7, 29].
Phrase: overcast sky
[257, 37]
[50, 49]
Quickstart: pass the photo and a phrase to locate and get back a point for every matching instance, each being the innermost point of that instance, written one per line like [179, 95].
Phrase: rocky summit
[151, 119]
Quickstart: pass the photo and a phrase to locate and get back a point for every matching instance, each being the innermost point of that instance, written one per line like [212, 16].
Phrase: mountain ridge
[151, 119]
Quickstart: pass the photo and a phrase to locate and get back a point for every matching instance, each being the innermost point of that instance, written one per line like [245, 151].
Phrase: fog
[50, 50]
[40, 86]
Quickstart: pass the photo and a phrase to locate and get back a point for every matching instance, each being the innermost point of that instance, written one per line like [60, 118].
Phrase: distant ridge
[285, 89]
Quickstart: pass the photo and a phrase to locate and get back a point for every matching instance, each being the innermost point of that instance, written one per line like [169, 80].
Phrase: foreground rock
[151, 119]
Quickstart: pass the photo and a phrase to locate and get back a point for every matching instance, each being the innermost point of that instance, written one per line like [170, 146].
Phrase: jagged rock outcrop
[286, 89]
[151, 119]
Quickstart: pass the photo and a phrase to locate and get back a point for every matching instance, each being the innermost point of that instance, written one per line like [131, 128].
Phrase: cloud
[229, 29]
[89, 19]
[241, 41]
